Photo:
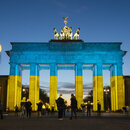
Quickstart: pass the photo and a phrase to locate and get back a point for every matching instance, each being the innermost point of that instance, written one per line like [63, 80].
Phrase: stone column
[79, 84]
[14, 87]
[98, 95]
[117, 88]
[53, 86]
[34, 85]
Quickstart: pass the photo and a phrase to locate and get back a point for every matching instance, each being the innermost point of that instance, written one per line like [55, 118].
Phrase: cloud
[65, 87]
[80, 9]
[66, 91]
[59, 3]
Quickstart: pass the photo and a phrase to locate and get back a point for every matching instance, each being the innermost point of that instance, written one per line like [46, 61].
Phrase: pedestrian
[60, 106]
[43, 109]
[39, 108]
[47, 108]
[22, 111]
[16, 110]
[99, 108]
[73, 106]
[88, 108]
[28, 108]
[64, 108]
[1, 110]
[52, 109]
[83, 107]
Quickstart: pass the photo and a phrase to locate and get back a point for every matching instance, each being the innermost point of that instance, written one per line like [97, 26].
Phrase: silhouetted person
[73, 106]
[1, 111]
[99, 108]
[83, 107]
[39, 108]
[64, 109]
[16, 110]
[89, 109]
[43, 109]
[52, 110]
[28, 108]
[22, 111]
[60, 106]
[48, 108]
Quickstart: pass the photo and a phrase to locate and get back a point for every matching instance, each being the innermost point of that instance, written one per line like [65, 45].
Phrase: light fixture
[24, 90]
[0, 48]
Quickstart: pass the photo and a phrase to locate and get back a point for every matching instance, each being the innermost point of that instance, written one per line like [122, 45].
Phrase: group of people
[26, 108]
[61, 106]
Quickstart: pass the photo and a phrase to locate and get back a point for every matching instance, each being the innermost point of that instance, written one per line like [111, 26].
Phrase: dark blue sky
[34, 20]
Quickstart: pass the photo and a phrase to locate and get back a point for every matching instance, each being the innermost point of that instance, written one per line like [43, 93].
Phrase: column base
[98, 92]
[79, 90]
[34, 91]
[117, 93]
[14, 89]
[53, 92]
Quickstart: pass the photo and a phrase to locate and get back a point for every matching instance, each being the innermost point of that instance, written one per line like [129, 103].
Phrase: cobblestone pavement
[107, 121]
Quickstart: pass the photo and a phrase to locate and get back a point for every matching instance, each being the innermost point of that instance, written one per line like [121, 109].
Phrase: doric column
[53, 86]
[34, 85]
[79, 84]
[98, 87]
[14, 87]
[117, 87]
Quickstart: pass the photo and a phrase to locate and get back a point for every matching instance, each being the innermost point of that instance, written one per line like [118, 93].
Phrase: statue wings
[65, 18]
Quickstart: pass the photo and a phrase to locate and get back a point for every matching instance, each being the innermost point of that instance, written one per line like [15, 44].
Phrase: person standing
[88, 108]
[1, 110]
[60, 106]
[22, 111]
[99, 108]
[47, 108]
[43, 109]
[64, 108]
[52, 110]
[16, 110]
[39, 108]
[73, 106]
[28, 108]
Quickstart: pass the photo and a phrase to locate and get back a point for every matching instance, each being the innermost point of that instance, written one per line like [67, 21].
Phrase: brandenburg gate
[77, 55]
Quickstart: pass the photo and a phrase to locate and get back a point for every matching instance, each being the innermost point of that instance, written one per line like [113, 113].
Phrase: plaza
[108, 121]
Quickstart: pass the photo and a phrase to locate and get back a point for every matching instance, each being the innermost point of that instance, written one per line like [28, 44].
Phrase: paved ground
[107, 121]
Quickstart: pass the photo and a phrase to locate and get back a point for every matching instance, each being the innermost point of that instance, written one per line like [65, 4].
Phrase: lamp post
[0, 94]
[106, 92]
[0, 52]
[24, 93]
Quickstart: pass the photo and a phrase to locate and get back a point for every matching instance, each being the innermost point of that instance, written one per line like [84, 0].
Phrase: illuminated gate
[84, 55]
[37, 55]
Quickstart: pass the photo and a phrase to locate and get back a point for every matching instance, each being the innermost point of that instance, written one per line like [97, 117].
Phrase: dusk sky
[34, 20]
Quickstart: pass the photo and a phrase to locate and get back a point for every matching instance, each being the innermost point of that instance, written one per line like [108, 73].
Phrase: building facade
[77, 55]
[3, 90]
[127, 90]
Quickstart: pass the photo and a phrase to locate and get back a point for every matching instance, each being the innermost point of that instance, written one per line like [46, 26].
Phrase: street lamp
[106, 92]
[0, 52]
[0, 48]
[24, 89]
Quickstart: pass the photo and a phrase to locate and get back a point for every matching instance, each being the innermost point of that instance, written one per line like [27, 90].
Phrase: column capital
[34, 69]
[79, 69]
[15, 69]
[97, 69]
[53, 69]
[116, 69]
